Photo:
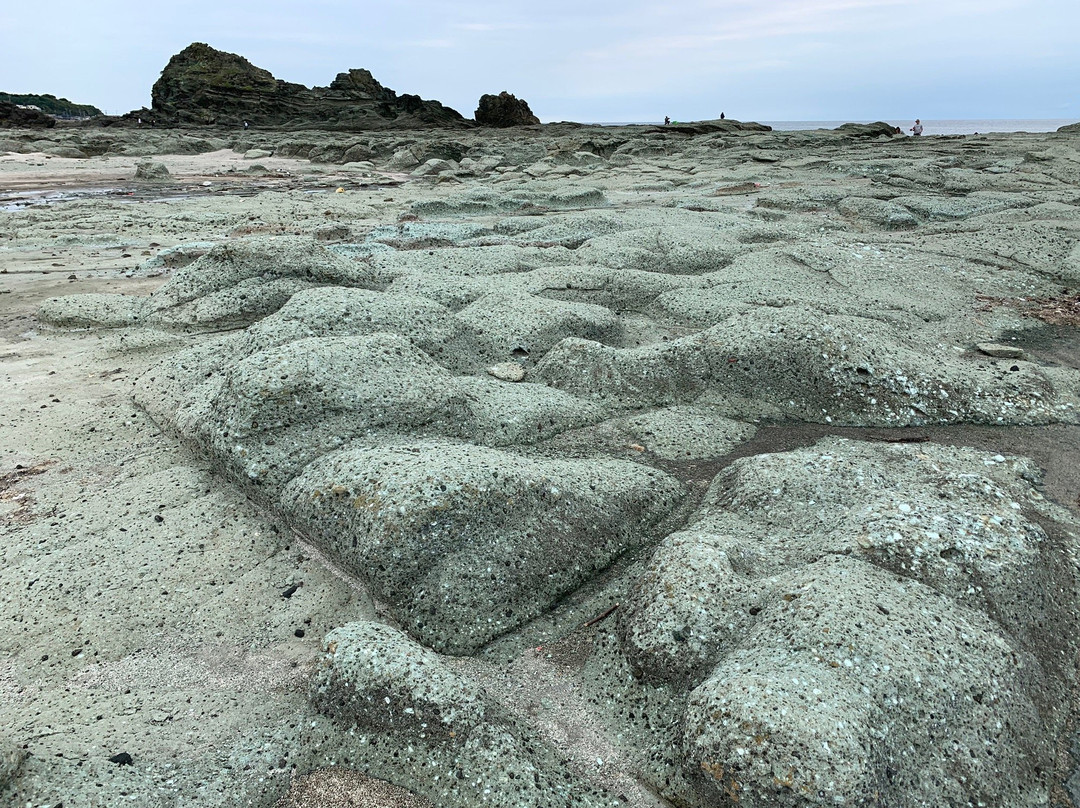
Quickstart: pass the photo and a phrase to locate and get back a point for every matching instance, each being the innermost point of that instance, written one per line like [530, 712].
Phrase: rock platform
[509, 397]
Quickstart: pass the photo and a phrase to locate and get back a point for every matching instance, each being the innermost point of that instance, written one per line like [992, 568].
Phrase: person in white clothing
[917, 128]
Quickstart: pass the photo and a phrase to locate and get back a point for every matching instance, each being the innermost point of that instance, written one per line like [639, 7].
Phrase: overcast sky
[587, 60]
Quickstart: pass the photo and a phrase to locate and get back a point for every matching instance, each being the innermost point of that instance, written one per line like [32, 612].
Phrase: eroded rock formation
[201, 85]
[504, 110]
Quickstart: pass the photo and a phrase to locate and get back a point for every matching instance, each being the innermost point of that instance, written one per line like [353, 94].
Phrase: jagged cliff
[202, 85]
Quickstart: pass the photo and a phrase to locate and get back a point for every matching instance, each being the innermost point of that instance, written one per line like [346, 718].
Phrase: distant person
[721, 116]
[917, 128]
[667, 120]
[245, 125]
[898, 131]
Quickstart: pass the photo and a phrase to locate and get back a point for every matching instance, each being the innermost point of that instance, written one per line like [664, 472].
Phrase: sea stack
[202, 85]
[504, 110]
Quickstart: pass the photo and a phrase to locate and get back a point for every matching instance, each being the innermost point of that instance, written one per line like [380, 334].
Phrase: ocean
[930, 127]
[944, 127]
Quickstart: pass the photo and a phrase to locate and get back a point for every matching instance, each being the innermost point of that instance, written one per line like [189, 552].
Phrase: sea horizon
[931, 126]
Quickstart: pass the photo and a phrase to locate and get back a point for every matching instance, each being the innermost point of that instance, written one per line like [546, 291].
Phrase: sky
[586, 60]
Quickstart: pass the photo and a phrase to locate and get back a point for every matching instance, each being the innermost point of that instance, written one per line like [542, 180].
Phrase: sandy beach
[530, 467]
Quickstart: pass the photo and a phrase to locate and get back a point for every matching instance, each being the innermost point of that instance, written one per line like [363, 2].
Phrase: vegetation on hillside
[60, 107]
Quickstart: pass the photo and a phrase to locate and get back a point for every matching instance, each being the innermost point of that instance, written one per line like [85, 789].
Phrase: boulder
[148, 170]
[504, 110]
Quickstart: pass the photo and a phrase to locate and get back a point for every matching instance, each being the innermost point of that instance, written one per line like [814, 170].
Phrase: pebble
[507, 371]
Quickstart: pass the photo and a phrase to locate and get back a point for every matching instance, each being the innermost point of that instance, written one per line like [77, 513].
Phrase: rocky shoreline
[555, 466]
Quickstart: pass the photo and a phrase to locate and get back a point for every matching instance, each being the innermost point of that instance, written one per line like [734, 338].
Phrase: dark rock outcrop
[710, 127]
[875, 129]
[201, 85]
[504, 110]
[16, 117]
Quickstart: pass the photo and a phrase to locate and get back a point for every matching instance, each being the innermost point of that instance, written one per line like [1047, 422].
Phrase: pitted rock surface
[799, 364]
[420, 723]
[463, 542]
[853, 622]
[860, 619]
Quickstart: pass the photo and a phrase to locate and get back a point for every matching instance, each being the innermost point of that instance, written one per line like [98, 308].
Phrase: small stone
[148, 170]
[11, 761]
[507, 371]
[122, 759]
[1000, 351]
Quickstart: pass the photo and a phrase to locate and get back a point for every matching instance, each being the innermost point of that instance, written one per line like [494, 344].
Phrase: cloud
[431, 43]
[485, 27]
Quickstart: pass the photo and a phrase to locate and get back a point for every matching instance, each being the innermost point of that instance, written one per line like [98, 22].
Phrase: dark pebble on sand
[288, 593]
[158, 517]
[122, 759]
[299, 632]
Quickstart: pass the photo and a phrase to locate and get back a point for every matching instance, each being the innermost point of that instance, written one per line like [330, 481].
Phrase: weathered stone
[796, 363]
[1000, 351]
[423, 725]
[280, 408]
[878, 211]
[11, 762]
[507, 371]
[148, 170]
[100, 310]
[333, 311]
[531, 325]
[482, 539]
[227, 265]
[858, 582]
